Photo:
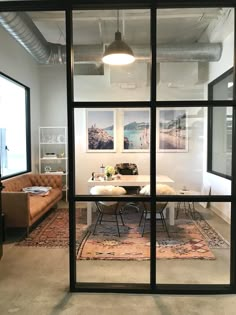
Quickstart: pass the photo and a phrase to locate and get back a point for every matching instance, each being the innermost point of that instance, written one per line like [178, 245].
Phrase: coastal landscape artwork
[136, 130]
[100, 130]
[172, 135]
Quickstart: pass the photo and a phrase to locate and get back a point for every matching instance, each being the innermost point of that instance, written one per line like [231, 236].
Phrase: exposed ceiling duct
[22, 28]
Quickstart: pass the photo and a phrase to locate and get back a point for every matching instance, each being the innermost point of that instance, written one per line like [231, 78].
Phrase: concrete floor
[175, 271]
[35, 281]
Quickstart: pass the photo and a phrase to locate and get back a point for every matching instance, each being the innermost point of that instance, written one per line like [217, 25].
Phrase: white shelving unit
[53, 153]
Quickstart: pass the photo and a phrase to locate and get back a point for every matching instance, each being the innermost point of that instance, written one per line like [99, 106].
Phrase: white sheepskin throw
[107, 190]
[161, 189]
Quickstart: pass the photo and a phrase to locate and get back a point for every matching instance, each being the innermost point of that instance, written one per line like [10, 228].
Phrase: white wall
[18, 64]
[184, 168]
[53, 111]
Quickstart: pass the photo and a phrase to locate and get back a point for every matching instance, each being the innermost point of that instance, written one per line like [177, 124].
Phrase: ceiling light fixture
[118, 52]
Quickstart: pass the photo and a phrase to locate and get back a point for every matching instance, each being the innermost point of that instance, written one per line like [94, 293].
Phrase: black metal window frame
[153, 104]
[27, 126]
[210, 119]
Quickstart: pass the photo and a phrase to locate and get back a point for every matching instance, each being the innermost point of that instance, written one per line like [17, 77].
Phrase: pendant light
[118, 52]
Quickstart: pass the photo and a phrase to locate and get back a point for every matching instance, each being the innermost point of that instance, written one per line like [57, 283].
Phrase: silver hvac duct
[22, 28]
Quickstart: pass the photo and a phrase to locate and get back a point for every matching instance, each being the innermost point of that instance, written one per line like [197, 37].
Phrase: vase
[108, 177]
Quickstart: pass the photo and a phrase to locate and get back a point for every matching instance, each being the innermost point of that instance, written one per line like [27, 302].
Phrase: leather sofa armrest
[15, 205]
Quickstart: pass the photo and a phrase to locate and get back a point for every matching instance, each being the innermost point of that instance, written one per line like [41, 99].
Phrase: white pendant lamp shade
[118, 52]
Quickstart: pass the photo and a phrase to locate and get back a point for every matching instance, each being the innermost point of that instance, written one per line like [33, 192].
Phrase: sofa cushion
[38, 204]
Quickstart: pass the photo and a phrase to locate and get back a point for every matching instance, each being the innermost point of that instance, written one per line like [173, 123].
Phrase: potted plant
[109, 171]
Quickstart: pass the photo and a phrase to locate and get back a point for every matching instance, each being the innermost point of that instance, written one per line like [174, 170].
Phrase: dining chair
[160, 207]
[189, 207]
[108, 211]
[129, 169]
[161, 189]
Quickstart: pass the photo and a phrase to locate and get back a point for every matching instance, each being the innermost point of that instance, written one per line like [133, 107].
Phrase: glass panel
[182, 151]
[194, 46]
[222, 87]
[196, 249]
[186, 236]
[119, 139]
[180, 147]
[94, 80]
[220, 134]
[106, 137]
[13, 99]
[222, 140]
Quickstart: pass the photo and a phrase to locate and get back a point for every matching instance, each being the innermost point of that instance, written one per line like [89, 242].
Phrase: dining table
[129, 180]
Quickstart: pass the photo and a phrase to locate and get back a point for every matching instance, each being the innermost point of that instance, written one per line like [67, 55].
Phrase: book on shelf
[50, 155]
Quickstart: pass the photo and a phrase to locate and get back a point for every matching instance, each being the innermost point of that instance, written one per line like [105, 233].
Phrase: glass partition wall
[152, 114]
[111, 136]
[163, 222]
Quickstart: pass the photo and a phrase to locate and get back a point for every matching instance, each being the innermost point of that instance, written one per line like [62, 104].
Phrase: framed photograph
[100, 130]
[136, 135]
[172, 130]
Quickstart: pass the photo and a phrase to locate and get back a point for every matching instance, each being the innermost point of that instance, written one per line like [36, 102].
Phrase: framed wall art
[136, 136]
[100, 130]
[172, 133]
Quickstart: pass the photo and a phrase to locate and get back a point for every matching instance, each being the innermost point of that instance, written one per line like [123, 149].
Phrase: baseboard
[220, 214]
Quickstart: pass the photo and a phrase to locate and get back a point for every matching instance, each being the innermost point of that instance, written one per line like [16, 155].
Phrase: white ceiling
[98, 27]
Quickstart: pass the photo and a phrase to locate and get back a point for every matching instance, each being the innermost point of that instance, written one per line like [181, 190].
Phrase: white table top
[130, 180]
[188, 192]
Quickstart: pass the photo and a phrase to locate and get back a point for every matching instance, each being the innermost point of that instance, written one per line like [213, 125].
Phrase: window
[14, 127]
[220, 126]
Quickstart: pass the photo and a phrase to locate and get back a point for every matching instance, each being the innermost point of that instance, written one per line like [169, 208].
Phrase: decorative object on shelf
[47, 169]
[109, 171]
[60, 138]
[102, 168]
[53, 153]
[50, 155]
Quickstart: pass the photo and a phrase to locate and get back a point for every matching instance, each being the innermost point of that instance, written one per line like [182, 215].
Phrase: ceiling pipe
[22, 28]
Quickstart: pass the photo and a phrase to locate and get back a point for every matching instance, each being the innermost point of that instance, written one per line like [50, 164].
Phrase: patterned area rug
[189, 239]
[53, 231]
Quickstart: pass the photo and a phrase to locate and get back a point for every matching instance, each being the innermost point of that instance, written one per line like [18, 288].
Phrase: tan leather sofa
[23, 209]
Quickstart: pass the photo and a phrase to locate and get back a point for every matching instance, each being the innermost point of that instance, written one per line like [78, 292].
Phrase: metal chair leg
[98, 220]
[145, 218]
[121, 217]
[177, 210]
[164, 223]
[141, 218]
[117, 224]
